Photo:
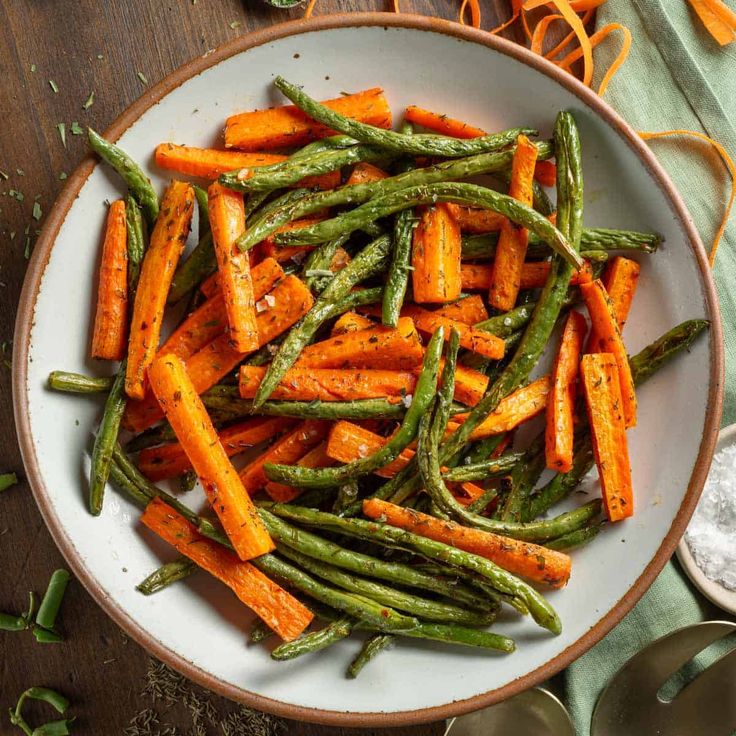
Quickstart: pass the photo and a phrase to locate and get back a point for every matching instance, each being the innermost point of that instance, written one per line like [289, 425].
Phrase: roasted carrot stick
[529, 560]
[603, 321]
[316, 458]
[278, 609]
[478, 341]
[470, 385]
[469, 309]
[111, 318]
[169, 461]
[441, 123]
[286, 450]
[620, 279]
[475, 221]
[330, 384]
[209, 163]
[561, 402]
[210, 286]
[512, 242]
[350, 322]
[167, 242]
[191, 423]
[477, 276]
[364, 173]
[227, 220]
[283, 254]
[600, 374]
[435, 256]
[209, 320]
[291, 301]
[396, 348]
[545, 172]
[288, 126]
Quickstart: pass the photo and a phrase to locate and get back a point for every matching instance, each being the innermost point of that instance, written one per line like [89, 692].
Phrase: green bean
[187, 481]
[121, 481]
[203, 210]
[540, 200]
[253, 204]
[286, 173]
[372, 647]
[167, 574]
[447, 380]
[420, 145]
[49, 608]
[11, 622]
[7, 480]
[315, 498]
[453, 634]
[369, 261]
[201, 263]
[139, 184]
[383, 534]
[483, 449]
[422, 608]
[468, 194]
[151, 437]
[575, 539]
[44, 636]
[136, 241]
[289, 208]
[78, 383]
[346, 494]
[319, 260]
[523, 479]
[287, 198]
[314, 641]
[104, 441]
[481, 504]
[482, 470]
[50, 697]
[300, 477]
[259, 632]
[505, 324]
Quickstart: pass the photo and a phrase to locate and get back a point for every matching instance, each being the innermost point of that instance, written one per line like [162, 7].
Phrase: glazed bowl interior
[198, 627]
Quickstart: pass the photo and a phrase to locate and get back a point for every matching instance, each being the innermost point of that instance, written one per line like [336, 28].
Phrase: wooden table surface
[84, 46]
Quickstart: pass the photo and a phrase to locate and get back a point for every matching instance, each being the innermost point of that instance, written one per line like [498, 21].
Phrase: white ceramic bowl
[198, 627]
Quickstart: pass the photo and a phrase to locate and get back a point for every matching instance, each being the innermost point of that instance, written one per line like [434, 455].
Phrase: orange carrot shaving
[512, 242]
[309, 8]
[330, 384]
[188, 417]
[469, 309]
[515, 13]
[474, 12]
[718, 19]
[364, 173]
[316, 458]
[603, 320]
[620, 279]
[227, 220]
[286, 450]
[169, 461]
[350, 322]
[111, 317]
[277, 127]
[477, 276]
[283, 613]
[529, 560]
[157, 271]
[476, 221]
[435, 257]
[729, 164]
[478, 341]
[441, 123]
[607, 427]
[561, 402]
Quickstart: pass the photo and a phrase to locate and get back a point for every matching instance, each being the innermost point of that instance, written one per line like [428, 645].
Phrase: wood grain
[86, 46]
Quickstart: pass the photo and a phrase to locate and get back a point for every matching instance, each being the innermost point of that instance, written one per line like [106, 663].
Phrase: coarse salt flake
[406, 400]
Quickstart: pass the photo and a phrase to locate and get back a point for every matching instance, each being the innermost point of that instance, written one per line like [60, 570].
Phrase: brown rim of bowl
[40, 258]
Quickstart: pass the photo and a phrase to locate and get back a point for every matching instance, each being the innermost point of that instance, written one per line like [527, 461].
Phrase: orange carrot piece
[475, 221]
[209, 320]
[559, 429]
[209, 163]
[210, 286]
[167, 243]
[286, 450]
[512, 242]
[470, 385]
[600, 374]
[227, 220]
[477, 276]
[603, 321]
[111, 318]
[330, 384]
[389, 348]
[466, 493]
[283, 254]
[169, 461]
[350, 322]
[545, 172]
[225, 492]
[518, 407]
[435, 257]
[278, 127]
[717, 25]
[365, 173]
[292, 300]
[620, 279]
[528, 560]
[469, 310]
[441, 123]
[316, 458]
[483, 343]
[283, 613]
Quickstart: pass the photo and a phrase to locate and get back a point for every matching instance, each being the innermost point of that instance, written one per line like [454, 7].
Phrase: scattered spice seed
[20, 172]
[54, 86]
[33, 68]
[90, 100]
[61, 127]
[142, 77]
[100, 57]
[235, 24]
[36, 214]
[62, 176]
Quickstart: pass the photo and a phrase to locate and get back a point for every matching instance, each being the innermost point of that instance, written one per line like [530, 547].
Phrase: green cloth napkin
[676, 76]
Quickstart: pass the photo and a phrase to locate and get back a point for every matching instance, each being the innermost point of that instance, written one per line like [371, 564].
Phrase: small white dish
[714, 592]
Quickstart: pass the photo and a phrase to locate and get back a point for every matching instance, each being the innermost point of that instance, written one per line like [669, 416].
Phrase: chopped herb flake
[7, 479]
[15, 194]
[235, 24]
[4, 176]
[33, 68]
[20, 172]
[36, 211]
[61, 127]
[54, 86]
[76, 129]
[142, 77]
[89, 101]
[62, 176]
